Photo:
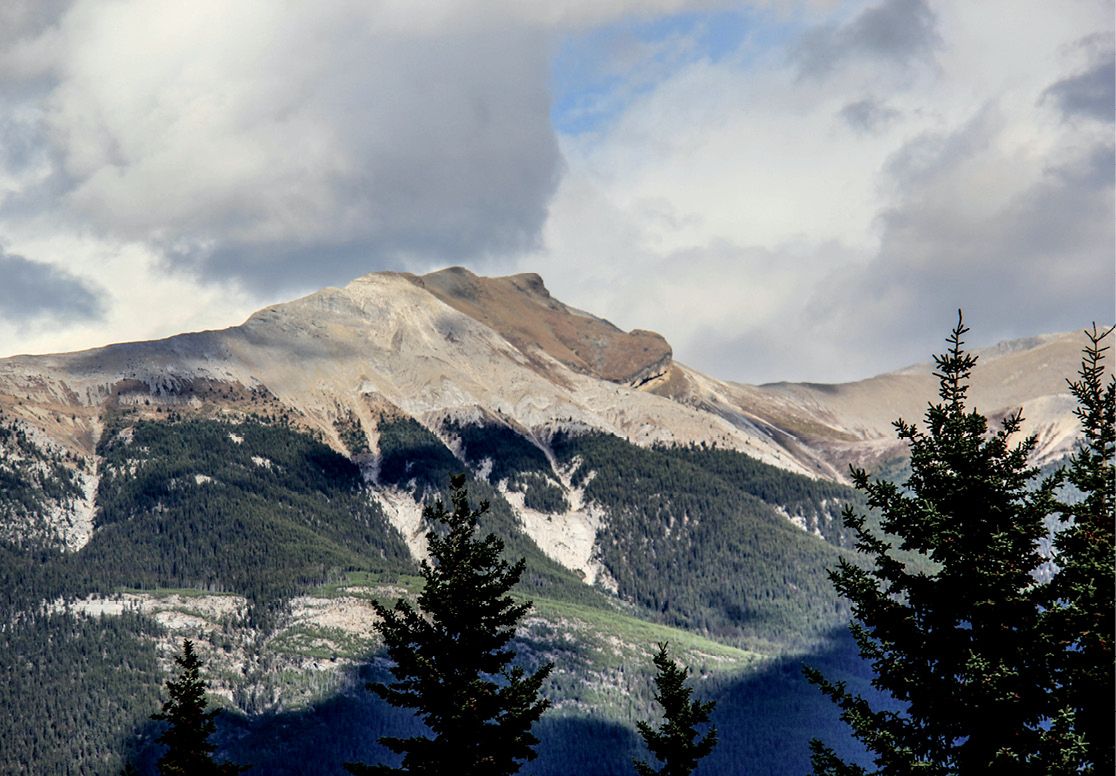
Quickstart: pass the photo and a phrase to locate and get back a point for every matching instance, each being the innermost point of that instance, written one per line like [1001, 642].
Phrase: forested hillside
[258, 509]
[34, 482]
[75, 692]
[692, 539]
[702, 546]
[265, 510]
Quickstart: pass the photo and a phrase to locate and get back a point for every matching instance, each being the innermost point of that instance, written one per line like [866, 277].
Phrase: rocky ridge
[454, 346]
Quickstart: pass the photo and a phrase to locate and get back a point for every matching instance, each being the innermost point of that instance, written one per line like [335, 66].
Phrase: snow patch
[201, 479]
[259, 460]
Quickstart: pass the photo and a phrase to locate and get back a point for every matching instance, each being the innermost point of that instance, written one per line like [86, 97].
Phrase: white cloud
[248, 139]
[237, 153]
[781, 212]
[133, 300]
[738, 213]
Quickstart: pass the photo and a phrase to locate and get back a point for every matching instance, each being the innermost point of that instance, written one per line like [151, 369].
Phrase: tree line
[993, 671]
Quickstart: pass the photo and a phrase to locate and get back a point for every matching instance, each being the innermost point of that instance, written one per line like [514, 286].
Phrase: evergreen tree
[676, 743]
[958, 646]
[452, 656]
[189, 723]
[1080, 596]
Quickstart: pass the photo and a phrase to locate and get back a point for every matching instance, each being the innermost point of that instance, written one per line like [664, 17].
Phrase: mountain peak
[521, 309]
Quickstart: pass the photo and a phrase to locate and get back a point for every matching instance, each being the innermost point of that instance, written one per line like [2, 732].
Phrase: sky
[785, 190]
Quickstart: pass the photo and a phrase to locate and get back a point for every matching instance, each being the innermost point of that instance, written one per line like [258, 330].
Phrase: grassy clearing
[609, 635]
[641, 635]
[370, 584]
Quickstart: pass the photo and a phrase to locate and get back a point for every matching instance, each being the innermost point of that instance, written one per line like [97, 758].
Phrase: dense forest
[688, 540]
[266, 510]
[252, 508]
[261, 510]
[75, 692]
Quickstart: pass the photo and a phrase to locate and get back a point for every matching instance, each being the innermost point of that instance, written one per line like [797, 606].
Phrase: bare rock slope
[496, 348]
[834, 425]
[521, 309]
[455, 346]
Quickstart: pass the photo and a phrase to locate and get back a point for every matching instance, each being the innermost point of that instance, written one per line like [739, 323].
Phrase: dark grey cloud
[453, 159]
[1089, 94]
[33, 290]
[897, 31]
[335, 142]
[23, 19]
[1044, 255]
[867, 115]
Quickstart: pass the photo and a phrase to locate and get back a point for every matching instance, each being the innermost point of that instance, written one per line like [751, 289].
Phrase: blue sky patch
[595, 75]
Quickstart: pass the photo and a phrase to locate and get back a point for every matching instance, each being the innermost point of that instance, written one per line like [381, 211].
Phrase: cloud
[217, 157]
[894, 31]
[599, 72]
[867, 115]
[732, 209]
[1034, 254]
[22, 20]
[1090, 93]
[807, 193]
[253, 143]
[33, 291]
[136, 298]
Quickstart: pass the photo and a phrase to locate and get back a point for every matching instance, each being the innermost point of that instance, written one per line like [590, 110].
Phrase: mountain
[852, 422]
[253, 487]
[455, 346]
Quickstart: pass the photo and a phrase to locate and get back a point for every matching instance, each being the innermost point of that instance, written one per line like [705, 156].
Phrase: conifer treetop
[954, 638]
[453, 655]
[676, 743]
[189, 723]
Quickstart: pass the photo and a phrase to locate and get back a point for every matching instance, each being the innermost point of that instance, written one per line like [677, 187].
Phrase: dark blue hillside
[765, 721]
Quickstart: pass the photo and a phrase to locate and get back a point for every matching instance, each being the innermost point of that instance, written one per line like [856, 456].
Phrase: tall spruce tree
[453, 660]
[189, 724]
[1080, 598]
[677, 743]
[959, 647]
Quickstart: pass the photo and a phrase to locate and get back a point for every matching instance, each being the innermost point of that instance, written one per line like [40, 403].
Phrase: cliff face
[522, 310]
